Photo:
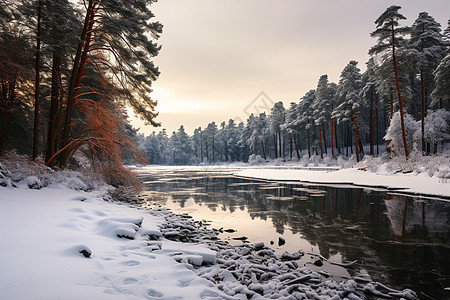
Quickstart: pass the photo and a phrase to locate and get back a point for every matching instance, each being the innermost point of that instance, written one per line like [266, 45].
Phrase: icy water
[401, 241]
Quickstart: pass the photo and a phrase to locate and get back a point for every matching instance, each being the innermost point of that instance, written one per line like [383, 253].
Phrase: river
[398, 240]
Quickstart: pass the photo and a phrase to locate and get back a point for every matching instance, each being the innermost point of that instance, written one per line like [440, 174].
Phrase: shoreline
[116, 248]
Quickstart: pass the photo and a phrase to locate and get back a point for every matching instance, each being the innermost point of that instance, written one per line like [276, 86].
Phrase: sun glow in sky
[218, 56]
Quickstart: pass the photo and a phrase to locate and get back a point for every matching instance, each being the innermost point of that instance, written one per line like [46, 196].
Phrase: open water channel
[399, 240]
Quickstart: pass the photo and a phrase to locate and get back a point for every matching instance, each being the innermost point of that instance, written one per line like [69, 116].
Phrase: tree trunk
[279, 144]
[51, 136]
[422, 111]
[324, 140]
[371, 123]
[392, 105]
[296, 146]
[332, 143]
[399, 94]
[4, 131]
[376, 121]
[275, 145]
[309, 143]
[82, 44]
[37, 81]
[201, 145]
[263, 150]
[336, 138]
[320, 141]
[213, 150]
[290, 145]
[356, 135]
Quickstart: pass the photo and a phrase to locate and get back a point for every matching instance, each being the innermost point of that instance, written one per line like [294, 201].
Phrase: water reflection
[399, 240]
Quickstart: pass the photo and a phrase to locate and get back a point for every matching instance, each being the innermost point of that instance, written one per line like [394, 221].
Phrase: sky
[227, 59]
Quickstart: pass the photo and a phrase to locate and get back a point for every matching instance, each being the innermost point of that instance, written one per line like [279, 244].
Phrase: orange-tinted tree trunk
[399, 94]
[88, 23]
[355, 127]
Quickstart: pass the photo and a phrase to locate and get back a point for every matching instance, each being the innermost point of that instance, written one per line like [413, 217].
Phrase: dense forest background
[409, 68]
[69, 71]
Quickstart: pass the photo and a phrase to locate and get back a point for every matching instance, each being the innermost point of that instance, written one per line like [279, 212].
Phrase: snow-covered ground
[61, 239]
[414, 183]
[43, 235]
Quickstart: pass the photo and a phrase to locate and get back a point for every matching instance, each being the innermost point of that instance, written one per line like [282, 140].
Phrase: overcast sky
[218, 56]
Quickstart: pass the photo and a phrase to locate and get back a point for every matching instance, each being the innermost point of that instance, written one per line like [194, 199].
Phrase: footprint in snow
[130, 280]
[184, 283]
[151, 293]
[130, 263]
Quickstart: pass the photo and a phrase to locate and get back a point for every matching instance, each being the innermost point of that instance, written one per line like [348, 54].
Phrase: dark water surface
[401, 241]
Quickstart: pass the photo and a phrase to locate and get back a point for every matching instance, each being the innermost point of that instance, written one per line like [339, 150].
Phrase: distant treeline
[409, 67]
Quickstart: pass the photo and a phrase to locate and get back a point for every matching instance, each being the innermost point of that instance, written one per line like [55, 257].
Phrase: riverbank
[414, 183]
[60, 241]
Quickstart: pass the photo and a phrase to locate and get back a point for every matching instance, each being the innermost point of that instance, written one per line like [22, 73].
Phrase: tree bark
[376, 121]
[422, 110]
[279, 144]
[74, 81]
[356, 135]
[320, 141]
[4, 131]
[324, 140]
[296, 146]
[336, 138]
[332, 143]
[392, 105]
[37, 82]
[276, 145]
[290, 145]
[54, 99]
[263, 150]
[371, 123]
[309, 143]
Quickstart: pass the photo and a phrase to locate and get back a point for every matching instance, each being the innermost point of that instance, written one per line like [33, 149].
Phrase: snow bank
[59, 243]
[415, 183]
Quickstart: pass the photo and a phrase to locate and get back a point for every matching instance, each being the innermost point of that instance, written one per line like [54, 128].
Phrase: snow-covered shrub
[394, 133]
[5, 177]
[371, 163]
[315, 160]
[255, 160]
[437, 126]
[329, 161]
[346, 162]
[22, 167]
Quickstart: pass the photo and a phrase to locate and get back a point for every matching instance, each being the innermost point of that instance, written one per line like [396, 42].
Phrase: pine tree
[276, 119]
[442, 80]
[390, 36]
[349, 89]
[430, 48]
[116, 40]
[292, 127]
[306, 116]
[322, 110]
[15, 65]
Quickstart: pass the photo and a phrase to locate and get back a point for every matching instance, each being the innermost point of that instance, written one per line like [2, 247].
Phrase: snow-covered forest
[68, 71]
[411, 63]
